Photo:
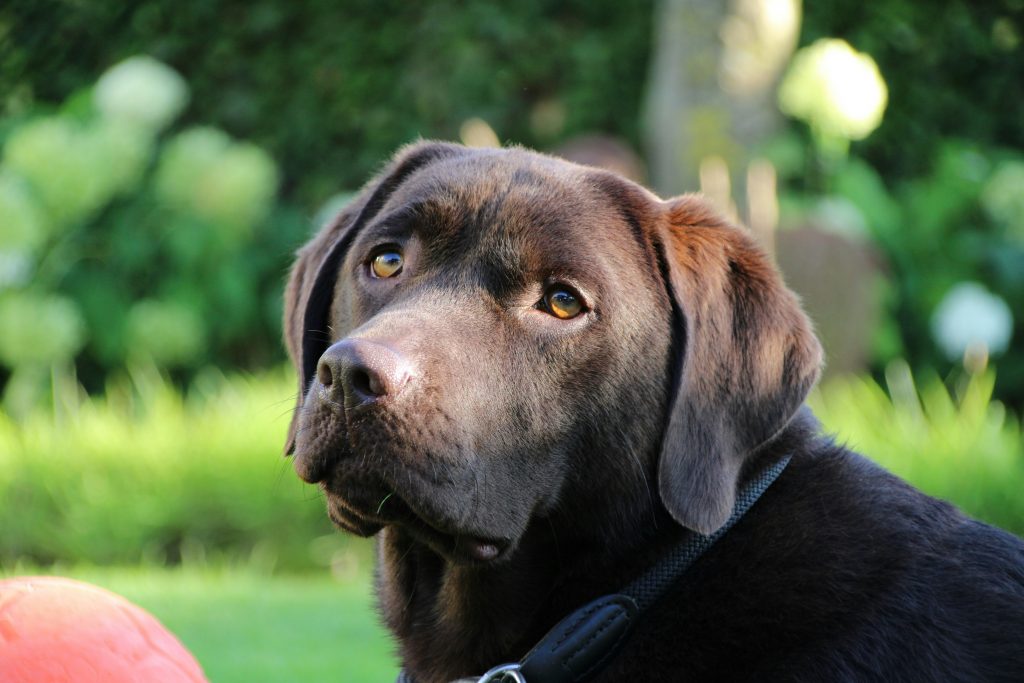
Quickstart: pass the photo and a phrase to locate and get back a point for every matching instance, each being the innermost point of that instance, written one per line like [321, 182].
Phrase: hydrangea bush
[124, 240]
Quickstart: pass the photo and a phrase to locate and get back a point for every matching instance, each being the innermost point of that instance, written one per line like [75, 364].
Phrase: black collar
[585, 641]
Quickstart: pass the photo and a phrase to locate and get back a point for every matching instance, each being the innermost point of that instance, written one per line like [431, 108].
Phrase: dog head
[482, 335]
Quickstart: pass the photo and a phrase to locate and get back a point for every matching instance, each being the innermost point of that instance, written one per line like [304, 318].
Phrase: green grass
[265, 589]
[246, 627]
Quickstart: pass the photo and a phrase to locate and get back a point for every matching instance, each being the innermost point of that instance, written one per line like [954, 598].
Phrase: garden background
[161, 161]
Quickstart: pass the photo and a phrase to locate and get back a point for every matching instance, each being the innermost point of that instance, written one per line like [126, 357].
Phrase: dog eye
[387, 263]
[562, 302]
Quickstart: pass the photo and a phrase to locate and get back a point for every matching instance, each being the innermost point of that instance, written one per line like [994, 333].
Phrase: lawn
[245, 627]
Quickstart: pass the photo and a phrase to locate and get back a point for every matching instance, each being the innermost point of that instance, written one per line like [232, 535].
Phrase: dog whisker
[384, 500]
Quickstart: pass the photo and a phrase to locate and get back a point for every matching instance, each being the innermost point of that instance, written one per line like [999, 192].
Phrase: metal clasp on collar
[505, 673]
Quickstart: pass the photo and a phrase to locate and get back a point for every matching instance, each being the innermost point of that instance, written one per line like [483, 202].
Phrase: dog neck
[455, 620]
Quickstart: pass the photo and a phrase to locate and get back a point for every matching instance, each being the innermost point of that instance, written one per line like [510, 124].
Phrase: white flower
[15, 269]
[969, 315]
[185, 160]
[141, 91]
[238, 190]
[54, 156]
[838, 91]
[231, 184]
[75, 169]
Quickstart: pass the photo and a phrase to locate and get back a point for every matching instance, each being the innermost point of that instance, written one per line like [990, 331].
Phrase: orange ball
[54, 629]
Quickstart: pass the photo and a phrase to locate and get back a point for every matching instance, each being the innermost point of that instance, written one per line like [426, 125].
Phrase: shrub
[146, 474]
[121, 243]
[951, 230]
[961, 445]
[330, 89]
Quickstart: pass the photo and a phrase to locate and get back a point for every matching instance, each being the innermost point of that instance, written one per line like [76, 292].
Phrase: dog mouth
[357, 513]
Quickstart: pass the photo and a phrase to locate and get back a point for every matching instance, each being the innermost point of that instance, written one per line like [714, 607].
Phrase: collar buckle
[503, 673]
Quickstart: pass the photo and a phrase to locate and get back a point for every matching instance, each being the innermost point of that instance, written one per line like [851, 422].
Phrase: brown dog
[533, 378]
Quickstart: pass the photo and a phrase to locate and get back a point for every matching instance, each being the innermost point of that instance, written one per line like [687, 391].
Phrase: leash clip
[504, 673]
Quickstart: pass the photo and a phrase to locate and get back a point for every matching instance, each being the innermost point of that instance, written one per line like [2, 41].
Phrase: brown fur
[575, 450]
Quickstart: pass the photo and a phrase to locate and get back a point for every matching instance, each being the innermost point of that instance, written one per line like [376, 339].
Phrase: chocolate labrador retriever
[535, 381]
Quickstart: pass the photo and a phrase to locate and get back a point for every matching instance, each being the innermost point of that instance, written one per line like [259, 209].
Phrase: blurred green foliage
[959, 444]
[145, 474]
[937, 187]
[120, 242]
[331, 88]
[172, 245]
[953, 71]
[137, 224]
[961, 222]
[113, 480]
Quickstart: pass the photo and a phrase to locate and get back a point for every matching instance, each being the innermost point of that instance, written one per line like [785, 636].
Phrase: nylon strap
[582, 643]
[655, 582]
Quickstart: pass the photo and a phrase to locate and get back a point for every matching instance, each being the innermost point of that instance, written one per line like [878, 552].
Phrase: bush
[958, 228]
[950, 247]
[962, 445]
[190, 219]
[936, 92]
[936, 187]
[330, 89]
[121, 243]
[147, 475]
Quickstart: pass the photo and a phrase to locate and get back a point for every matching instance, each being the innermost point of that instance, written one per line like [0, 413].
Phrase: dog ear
[309, 292]
[746, 357]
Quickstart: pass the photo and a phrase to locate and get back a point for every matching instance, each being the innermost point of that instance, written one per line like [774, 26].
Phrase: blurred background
[161, 161]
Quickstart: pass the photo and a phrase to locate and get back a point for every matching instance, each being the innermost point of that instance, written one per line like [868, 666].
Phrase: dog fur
[522, 465]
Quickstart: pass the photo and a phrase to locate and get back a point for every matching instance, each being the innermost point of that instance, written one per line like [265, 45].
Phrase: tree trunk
[711, 88]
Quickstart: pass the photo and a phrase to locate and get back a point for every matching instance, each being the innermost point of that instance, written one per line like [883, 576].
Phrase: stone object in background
[838, 278]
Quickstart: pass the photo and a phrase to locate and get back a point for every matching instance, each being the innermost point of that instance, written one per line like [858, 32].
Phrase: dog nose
[360, 371]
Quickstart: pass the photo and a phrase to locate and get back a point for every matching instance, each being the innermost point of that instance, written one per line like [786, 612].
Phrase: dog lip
[347, 518]
[458, 545]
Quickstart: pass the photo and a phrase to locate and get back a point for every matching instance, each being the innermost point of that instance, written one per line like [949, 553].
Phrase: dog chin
[456, 545]
[348, 519]
[459, 547]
